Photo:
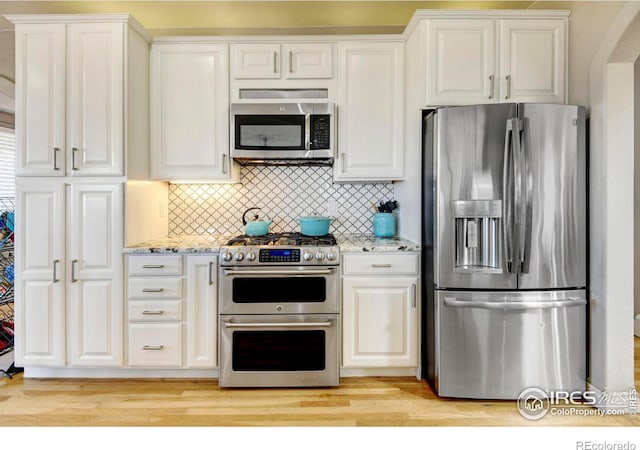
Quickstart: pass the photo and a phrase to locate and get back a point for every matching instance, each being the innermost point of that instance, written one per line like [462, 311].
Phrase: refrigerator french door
[504, 248]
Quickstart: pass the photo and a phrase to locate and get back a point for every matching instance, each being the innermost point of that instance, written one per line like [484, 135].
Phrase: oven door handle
[279, 272]
[254, 325]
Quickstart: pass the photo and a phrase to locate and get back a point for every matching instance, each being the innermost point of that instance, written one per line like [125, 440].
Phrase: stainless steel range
[279, 311]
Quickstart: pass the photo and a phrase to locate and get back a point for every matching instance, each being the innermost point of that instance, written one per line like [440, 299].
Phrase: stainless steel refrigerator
[504, 232]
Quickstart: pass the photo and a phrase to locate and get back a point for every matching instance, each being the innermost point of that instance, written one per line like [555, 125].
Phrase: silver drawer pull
[153, 290]
[153, 266]
[380, 266]
[152, 313]
[153, 347]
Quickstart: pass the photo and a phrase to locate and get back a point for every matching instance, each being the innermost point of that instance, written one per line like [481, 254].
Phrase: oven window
[279, 350]
[282, 132]
[280, 290]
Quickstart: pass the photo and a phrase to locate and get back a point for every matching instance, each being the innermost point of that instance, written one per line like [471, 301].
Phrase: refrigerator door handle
[507, 202]
[510, 305]
[518, 207]
[526, 199]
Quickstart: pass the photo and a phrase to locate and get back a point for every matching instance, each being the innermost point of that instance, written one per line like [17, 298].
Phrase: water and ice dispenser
[477, 235]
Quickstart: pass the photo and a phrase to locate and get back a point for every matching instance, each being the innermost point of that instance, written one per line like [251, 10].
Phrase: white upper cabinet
[532, 60]
[69, 99]
[461, 61]
[478, 60]
[190, 112]
[275, 61]
[370, 111]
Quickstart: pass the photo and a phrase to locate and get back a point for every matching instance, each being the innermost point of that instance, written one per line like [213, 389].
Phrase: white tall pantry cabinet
[81, 89]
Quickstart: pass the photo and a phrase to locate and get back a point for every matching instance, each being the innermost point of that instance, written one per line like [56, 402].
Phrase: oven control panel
[300, 256]
[285, 255]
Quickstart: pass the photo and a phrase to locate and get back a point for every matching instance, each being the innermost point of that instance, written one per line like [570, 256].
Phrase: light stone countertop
[212, 243]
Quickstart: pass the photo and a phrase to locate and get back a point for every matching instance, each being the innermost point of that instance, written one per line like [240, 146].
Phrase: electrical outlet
[332, 207]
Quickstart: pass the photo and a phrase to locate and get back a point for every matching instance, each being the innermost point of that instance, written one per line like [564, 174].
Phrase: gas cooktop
[280, 249]
[291, 238]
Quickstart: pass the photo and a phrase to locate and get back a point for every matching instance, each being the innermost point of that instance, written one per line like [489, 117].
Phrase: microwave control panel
[320, 134]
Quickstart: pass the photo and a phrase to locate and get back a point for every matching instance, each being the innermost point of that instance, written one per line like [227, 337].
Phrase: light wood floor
[356, 402]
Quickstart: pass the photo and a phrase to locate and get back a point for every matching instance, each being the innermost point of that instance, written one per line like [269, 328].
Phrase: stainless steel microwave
[263, 131]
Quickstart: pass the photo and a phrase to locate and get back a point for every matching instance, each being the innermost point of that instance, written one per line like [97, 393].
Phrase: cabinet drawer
[155, 345]
[155, 265]
[380, 264]
[155, 310]
[155, 287]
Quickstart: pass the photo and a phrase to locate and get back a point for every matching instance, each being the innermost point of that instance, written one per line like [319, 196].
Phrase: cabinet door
[461, 62]
[202, 306]
[380, 322]
[40, 99]
[40, 275]
[95, 240]
[308, 60]
[370, 111]
[95, 127]
[189, 112]
[255, 61]
[532, 60]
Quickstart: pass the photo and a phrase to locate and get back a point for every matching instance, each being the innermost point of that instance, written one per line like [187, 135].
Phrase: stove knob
[331, 255]
[251, 256]
[239, 256]
[227, 256]
[307, 256]
[320, 256]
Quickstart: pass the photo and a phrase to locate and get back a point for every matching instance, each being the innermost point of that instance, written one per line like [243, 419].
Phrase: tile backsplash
[284, 193]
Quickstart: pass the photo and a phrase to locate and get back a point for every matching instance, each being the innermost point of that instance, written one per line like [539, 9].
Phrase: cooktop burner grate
[288, 238]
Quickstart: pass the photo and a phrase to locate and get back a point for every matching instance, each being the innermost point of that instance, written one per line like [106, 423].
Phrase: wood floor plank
[368, 401]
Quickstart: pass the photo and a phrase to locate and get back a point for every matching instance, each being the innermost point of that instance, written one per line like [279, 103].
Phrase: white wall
[611, 89]
[588, 24]
[636, 200]
[7, 67]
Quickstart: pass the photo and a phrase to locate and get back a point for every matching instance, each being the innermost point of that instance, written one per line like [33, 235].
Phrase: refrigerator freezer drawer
[493, 345]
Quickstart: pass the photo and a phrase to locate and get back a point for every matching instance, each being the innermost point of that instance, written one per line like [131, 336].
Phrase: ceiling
[187, 17]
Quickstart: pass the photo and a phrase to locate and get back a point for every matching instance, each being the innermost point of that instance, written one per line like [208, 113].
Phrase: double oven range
[279, 311]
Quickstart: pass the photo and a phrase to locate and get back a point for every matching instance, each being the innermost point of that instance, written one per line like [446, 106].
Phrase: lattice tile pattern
[283, 193]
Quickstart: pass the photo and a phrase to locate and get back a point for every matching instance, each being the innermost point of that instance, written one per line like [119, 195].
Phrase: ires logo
[533, 403]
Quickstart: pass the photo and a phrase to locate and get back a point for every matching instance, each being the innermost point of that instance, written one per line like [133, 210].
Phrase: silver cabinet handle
[280, 325]
[508, 78]
[152, 289]
[74, 150]
[414, 293]
[55, 271]
[380, 266]
[510, 305]
[210, 273]
[343, 164]
[224, 163]
[153, 266]
[290, 61]
[275, 62]
[73, 270]
[153, 347]
[491, 86]
[55, 158]
[152, 313]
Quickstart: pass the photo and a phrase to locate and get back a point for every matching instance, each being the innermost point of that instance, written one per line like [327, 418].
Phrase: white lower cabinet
[380, 311]
[172, 311]
[68, 298]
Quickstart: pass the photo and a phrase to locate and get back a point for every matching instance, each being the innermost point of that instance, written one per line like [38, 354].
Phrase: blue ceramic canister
[384, 225]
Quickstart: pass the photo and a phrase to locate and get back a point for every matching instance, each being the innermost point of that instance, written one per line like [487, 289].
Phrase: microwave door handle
[307, 132]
